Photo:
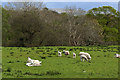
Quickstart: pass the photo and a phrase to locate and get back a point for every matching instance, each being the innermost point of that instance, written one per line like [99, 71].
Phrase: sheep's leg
[81, 59]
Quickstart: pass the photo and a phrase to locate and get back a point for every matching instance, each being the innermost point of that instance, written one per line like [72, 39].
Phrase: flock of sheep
[83, 56]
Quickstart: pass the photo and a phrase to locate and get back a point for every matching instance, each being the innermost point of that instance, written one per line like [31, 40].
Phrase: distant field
[103, 64]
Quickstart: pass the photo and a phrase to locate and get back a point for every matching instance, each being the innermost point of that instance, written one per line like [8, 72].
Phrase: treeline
[32, 24]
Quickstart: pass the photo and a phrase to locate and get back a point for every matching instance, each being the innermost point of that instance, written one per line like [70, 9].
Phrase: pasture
[103, 64]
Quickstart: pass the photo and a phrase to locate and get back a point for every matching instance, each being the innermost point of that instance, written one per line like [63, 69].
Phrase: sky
[60, 0]
[84, 5]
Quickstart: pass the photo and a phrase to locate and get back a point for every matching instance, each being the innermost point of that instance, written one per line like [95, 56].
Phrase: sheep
[35, 63]
[117, 56]
[74, 55]
[83, 57]
[31, 62]
[59, 53]
[66, 52]
[86, 54]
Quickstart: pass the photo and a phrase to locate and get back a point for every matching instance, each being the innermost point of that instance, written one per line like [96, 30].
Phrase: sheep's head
[73, 53]
[29, 60]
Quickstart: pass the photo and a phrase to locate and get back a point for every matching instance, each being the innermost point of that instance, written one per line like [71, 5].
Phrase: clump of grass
[68, 57]
[49, 56]
[71, 50]
[18, 61]
[27, 73]
[43, 57]
[53, 73]
[98, 56]
[104, 55]
[7, 56]
[9, 69]
[9, 74]
[32, 48]
[11, 52]
[47, 51]
[43, 53]
[41, 50]
[19, 71]
[37, 52]
[10, 62]
[54, 53]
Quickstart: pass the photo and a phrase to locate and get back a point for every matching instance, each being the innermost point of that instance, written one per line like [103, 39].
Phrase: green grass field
[103, 64]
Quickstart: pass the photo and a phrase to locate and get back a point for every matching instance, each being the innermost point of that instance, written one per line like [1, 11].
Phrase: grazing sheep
[117, 55]
[74, 55]
[86, 54]
[66, 52]
[83, 57]
[31, 62]
[59, 53]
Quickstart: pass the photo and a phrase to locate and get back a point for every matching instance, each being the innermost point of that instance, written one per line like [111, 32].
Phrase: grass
[103, 63]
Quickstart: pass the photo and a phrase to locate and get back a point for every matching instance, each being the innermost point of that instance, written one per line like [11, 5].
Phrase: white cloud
[60, 0]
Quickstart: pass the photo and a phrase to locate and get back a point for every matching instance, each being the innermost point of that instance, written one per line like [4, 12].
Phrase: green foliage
[108, 19]
[5, 26]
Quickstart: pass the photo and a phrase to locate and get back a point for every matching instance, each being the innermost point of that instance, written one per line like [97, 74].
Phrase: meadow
[103, 64]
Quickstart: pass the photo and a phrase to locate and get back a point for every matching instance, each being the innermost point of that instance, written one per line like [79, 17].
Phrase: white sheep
[66, 52]
[31, 62]
[74, 55]
[117, 55]
[59, 53]
[86, 54]
[83, 57]
[35, 63]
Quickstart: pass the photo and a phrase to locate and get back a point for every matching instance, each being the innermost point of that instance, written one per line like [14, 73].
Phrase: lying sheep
[66, 52]
[35, 63]
[59, 53]
[83, 57]
[117, 55]
[74, 55]
[86, 54]
[31, 62]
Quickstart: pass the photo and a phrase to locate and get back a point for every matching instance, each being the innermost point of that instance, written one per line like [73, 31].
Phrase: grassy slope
[103, 63]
